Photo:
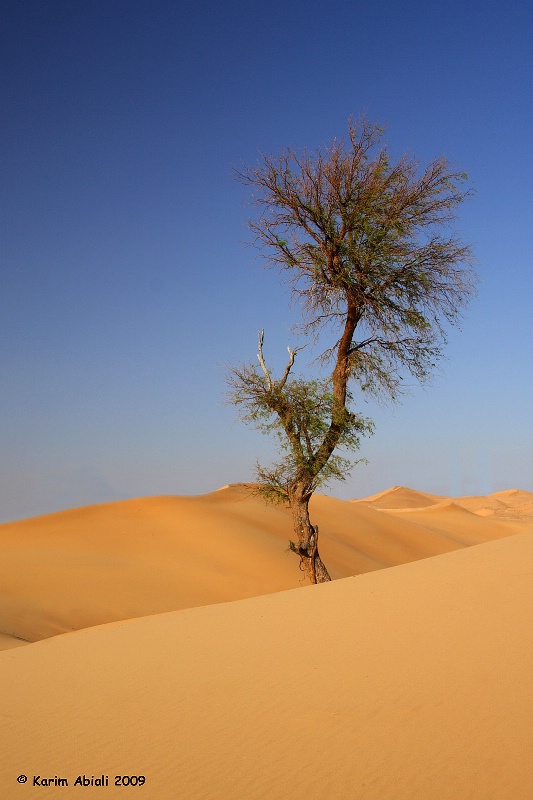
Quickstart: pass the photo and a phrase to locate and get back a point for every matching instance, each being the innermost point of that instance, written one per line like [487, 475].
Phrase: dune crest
[401, 497]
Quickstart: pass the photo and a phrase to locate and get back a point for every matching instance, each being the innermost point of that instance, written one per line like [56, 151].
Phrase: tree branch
[292, 354]
[260, 340]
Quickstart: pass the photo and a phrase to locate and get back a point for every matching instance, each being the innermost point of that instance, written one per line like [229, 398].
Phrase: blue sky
[126, 282]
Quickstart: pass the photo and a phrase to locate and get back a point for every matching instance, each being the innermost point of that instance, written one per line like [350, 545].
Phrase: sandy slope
[88, 566]
[407, 684]
[401, 497]
[511, 504]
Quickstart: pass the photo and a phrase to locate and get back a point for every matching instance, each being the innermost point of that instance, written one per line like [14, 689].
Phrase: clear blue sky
[125, 282]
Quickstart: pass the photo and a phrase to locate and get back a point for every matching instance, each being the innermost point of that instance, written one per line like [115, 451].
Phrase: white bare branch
[260, 340]
[292, 354]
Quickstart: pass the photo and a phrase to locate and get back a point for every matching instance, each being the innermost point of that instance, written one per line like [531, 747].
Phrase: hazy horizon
[127, 284]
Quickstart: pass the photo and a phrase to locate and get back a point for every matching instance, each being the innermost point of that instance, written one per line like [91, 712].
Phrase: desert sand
[410, 680]
[88, 566]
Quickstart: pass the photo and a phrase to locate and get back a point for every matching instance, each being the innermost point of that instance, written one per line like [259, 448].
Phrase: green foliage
[359, 239]
[299, 414]
[352, 230]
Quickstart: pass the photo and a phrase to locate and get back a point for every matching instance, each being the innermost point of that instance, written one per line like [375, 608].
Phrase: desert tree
[366, 245]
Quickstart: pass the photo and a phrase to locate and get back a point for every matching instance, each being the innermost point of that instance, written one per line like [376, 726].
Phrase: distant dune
[88, 566]
[410, 683]
[401, 497]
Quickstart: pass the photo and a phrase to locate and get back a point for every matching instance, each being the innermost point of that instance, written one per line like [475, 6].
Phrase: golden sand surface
[407, 683]
[103, 563]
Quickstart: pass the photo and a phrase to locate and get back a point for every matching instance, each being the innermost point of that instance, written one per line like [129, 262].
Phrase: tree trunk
[307, 545]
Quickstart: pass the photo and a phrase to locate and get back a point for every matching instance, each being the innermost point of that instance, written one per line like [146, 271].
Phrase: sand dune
[89, 566]
[403, 684]
[401, 497]
[513, 504]
[78, 568]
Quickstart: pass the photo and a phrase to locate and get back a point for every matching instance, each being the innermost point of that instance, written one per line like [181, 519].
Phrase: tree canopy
[366, 245]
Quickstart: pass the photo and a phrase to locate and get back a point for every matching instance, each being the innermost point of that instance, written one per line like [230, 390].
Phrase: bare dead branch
[292, 354]
[261, 338]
